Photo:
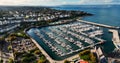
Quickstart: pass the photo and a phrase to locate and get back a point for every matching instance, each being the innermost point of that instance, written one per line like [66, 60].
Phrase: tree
[9, 47]
[11, 38]
[42, 59]
[28, 58]
[37, 52]
[10, 60]
[86, 52]
[93, 58]
[66, 61]
[2, 40]
[1, 60]
[85, 57]
[88, 56]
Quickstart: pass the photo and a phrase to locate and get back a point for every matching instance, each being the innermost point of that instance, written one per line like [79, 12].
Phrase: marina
[52, 32]
[68, 39]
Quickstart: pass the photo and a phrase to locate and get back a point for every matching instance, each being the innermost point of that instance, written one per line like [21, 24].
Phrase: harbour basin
[63, 41]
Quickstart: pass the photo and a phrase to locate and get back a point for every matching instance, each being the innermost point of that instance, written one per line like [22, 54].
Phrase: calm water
[107, 46]
[102, 14]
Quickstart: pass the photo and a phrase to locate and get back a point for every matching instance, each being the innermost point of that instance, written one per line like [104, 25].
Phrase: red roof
[83, 62]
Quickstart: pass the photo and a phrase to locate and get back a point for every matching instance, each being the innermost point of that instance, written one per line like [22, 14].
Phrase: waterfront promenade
[97, 24]
[116, 38]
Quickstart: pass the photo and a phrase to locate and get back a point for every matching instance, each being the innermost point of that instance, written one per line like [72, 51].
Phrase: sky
[56, 2]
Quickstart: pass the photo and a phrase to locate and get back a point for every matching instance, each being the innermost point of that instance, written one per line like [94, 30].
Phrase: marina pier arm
[97, 24]
[116, 38]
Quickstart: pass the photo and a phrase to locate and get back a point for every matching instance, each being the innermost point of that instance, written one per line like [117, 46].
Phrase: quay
[97, 24]
[116, 38]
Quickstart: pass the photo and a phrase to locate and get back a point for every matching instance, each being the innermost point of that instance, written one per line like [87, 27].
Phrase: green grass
[85, 57]
[88, 56]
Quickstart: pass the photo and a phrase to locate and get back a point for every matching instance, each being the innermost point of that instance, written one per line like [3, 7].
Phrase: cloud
[11, 2]
[43, 2]
[95, 1]
[28, 2]
[56, 2]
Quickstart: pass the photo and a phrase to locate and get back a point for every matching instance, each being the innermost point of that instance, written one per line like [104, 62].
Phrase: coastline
[66, 22]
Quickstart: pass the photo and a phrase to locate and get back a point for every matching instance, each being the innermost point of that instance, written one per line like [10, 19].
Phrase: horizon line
[58, 5]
